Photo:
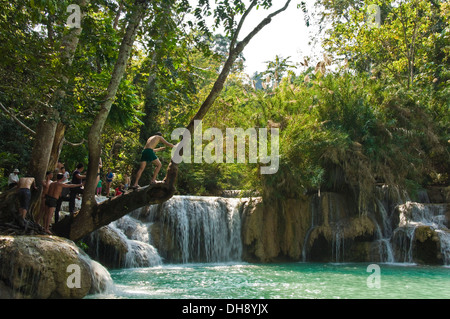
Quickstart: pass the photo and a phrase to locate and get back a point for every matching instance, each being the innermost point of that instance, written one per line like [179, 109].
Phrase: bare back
[54, 190]
[26, 182]
[153, 141]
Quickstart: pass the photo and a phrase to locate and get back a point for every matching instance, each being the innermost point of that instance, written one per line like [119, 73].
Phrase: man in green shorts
[148, 155]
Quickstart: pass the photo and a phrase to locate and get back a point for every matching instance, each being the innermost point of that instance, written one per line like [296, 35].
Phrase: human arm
[70, 185]
[167, 143]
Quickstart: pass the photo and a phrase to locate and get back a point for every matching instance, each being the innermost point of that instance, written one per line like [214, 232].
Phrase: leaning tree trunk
[111, 210]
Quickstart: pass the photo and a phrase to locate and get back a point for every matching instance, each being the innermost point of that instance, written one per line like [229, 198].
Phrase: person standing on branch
[149, 156]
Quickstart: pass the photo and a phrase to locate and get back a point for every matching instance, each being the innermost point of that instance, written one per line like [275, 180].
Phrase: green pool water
[285, 281]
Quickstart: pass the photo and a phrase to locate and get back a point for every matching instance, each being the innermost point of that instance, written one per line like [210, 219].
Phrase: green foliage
[381, 118]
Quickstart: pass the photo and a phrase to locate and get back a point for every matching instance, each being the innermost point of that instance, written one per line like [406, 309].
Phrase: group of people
[109, 177]
[53, 190]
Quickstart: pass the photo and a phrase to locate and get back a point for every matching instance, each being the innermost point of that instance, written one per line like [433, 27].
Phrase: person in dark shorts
[77, 179]
[149, 156]
[51, 199]
[24, 186]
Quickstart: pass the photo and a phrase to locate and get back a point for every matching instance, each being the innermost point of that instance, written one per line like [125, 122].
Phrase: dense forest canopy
[374, 108]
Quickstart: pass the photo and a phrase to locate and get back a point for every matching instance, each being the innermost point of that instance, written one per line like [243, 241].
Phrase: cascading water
[383, 234]
[429, 216]
[140, 251]
[192, 229]
[314, 209]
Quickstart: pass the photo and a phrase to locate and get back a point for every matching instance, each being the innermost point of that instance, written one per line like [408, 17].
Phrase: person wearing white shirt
[13, 178]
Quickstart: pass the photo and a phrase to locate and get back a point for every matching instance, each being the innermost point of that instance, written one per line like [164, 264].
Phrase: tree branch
[31, 130]
[261, 25]
[16, 119]
[75, 144]
[241, 22]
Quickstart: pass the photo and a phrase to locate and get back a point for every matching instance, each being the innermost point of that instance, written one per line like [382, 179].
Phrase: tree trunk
[93, 216]
[111, 210]
[58, 142]
[126, 46]
[40, 156]
[45, 133]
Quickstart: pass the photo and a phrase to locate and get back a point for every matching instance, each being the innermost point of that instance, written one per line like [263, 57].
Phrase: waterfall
[383, 234]
[194, 228]
[314, 209]
[140, 252]
[413, 215]
[188, 229]
[444, 237]
[101, 279]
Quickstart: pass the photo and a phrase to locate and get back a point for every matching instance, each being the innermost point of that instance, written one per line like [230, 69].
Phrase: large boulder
[48, 267]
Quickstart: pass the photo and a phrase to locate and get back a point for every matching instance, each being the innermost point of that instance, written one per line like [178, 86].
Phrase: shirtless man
[51, 198]
[148, 155]
[24, 187]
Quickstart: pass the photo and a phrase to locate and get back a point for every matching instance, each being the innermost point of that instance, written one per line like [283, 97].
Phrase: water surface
[286, 281]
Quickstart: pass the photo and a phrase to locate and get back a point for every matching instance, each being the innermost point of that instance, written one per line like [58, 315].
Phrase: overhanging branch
[11, 114]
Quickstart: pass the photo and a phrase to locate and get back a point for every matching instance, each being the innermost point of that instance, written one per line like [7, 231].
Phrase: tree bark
[58, 142]
[40, 156]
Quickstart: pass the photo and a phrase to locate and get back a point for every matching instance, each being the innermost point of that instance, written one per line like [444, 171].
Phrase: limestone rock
[107, 246]
[47, 267]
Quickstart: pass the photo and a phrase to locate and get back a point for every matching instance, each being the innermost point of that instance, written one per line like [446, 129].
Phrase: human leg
[48, 218]
[50, 203]
[73, 196]
[158, 165]
[24, 200]
[139, 173]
